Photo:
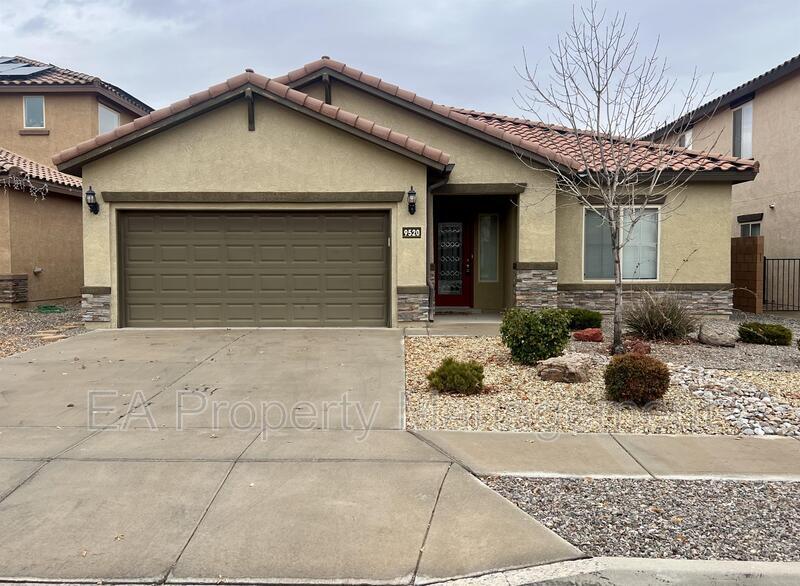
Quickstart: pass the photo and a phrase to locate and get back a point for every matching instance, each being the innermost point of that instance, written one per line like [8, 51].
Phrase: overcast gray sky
[459, 53]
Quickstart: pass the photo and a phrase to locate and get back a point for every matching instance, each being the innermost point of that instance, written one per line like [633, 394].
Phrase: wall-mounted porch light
[91, 201]
[412, 201]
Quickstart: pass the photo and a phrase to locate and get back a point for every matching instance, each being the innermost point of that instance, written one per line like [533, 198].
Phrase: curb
[643, 572]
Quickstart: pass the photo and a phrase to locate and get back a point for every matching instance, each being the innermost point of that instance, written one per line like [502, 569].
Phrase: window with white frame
[640, 245]
[488, 247]
[750, 229]
[685, 139]
[33, 111]
[107, 119]
[743, 131]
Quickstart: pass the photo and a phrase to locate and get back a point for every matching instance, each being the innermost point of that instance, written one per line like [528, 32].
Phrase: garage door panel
[306, 253]
[207, 253]
[274, 253]
[251, 269]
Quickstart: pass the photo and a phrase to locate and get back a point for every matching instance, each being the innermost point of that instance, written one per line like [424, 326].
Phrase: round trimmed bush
[532, 336]
[453, 376]
[637, 378]
[582, 319]
[770, 334]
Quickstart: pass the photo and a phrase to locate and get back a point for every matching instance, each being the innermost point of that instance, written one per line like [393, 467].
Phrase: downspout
[429, 239]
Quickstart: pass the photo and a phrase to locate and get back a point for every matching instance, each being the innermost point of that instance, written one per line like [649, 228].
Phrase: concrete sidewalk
[621, 455]
[210, 506]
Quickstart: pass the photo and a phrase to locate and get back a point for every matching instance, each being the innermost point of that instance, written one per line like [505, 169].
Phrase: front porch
[474, 249]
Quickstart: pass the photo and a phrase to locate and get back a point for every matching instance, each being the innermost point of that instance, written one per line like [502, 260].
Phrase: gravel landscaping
[723, 520]
[517, 400]
[700, 399]
[21, 329]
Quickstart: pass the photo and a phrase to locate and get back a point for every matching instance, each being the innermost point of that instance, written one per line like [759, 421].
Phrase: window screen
[598, 258]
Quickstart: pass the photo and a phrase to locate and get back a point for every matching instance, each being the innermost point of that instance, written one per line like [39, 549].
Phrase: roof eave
[727, 99]
[74, 165]
[85, 88]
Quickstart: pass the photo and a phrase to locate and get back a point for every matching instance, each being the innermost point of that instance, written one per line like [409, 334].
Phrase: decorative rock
[636, 347]
[589, 335]
[716, 334]
[569, 368]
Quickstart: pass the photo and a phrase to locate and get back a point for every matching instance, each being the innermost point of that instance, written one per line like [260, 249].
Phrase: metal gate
[781, 284]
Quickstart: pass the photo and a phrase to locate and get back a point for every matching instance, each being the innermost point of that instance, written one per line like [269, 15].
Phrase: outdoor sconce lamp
[412, 201]
[91, 201]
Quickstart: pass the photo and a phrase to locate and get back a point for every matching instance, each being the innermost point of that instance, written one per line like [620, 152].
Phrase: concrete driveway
[258, 456]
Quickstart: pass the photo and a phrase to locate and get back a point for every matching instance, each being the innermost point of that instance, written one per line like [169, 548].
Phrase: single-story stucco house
[41, 244]
[330, 197]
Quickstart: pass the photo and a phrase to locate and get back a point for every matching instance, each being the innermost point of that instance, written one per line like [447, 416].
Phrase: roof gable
[541, 142]
[246, 85]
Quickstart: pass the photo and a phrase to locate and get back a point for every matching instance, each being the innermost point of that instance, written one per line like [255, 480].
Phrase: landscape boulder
[588, 335]
[716, 334]
[634, 346]
[569, 368]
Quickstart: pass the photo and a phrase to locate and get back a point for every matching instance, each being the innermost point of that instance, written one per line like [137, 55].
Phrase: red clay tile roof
[551, 143]
[645, 157]
[305, 101]
[58, 76]
[9, 161]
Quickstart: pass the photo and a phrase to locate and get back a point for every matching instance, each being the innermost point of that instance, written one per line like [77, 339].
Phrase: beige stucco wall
[776, 117]
[476, 161]
[46, 233]
[694, 242]
[5, 233]
[70, 118]
[288, 152]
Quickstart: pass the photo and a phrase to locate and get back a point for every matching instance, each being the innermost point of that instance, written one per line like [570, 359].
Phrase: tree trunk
[617, 346]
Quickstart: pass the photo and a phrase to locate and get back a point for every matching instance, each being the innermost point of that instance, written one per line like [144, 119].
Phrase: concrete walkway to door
[190, 487]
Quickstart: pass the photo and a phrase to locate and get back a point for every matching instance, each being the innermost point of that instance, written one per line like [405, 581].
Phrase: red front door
[454, 263]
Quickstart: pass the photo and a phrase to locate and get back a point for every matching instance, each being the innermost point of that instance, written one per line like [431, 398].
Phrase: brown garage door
[183, 269]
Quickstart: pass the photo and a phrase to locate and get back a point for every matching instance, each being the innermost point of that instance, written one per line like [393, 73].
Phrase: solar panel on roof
[7, 66]
[6, 59]
[23, 70]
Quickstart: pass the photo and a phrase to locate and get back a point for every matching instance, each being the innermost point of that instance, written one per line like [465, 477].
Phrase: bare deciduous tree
[604, 94]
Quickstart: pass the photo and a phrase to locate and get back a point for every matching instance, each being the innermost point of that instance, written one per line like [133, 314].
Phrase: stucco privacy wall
[475, 161]
[694, 244]
[287, 152]
[45, 233]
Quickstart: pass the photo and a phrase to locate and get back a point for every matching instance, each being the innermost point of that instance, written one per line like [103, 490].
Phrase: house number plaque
[412, 232]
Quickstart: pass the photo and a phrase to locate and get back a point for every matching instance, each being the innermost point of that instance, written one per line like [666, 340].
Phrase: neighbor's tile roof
[740, 92]
[333, 112]
[552, 143]
[54, 76]
[10, 160]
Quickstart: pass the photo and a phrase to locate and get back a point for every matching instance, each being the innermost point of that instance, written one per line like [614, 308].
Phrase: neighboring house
[760, 120]
[41, 244]
[45, 109]
[283, 203]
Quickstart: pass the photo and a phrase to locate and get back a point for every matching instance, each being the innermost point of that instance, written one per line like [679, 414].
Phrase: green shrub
[453, 376]
[532, 336]
[580, 319]
[661, 317]
[637, 378]
[771, 334]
